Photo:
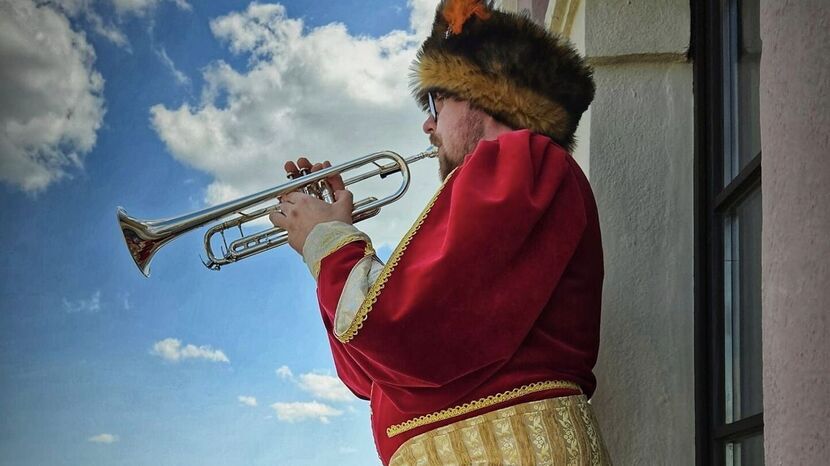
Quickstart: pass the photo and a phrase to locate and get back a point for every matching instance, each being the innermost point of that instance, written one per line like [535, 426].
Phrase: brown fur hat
[506, 65]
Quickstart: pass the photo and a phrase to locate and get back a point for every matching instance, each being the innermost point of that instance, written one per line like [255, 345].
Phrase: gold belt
[554, 431]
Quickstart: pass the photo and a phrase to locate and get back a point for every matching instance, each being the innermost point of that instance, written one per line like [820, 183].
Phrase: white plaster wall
[582, 150]
[626, 27]
[642, 166]
[795, 140]
[641, 160]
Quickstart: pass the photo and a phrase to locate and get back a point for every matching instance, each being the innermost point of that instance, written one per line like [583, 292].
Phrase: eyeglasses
[433, 110]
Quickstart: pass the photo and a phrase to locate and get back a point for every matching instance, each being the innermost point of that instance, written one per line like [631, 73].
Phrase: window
[726, 52]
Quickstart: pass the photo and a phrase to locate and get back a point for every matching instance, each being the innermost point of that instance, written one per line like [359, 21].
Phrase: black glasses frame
[433, 110]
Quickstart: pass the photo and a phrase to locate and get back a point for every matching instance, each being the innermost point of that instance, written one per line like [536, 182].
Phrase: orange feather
[457, 12]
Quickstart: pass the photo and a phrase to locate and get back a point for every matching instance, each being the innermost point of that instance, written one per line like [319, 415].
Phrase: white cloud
[141, 7]
[51, 97]
[247, 400]
[322, 386]
[93, 304]
[325, 387]
[85, 9]
[103, 438]
[423, 13]
[107, 30]
[88, 9]
[318, 91]
[125, 300]
[284, 372]
[180, 77]
[171, 349]
[300, 411]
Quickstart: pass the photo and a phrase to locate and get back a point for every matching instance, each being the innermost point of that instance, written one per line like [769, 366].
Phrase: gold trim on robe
[554, 431]
[479, 404]
[380, 283]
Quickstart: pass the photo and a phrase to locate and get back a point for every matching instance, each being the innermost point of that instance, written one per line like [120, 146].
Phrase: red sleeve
[462, 291]
[329, 287]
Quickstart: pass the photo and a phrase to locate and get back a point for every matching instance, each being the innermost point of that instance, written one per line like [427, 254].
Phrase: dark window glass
[742, 309]
[747, 452]
[742, 66]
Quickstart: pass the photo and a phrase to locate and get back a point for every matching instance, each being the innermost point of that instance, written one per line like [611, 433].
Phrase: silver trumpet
[145, 237]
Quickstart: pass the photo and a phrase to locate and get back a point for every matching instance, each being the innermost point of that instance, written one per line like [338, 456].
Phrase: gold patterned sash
[554, 431]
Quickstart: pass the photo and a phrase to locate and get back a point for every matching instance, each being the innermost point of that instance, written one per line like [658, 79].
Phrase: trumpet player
[476, 341]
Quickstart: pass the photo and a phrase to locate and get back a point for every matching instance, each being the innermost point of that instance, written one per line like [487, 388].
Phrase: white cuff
[326, 238]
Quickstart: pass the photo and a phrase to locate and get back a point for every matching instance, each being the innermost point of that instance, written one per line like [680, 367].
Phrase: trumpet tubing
[145, 237]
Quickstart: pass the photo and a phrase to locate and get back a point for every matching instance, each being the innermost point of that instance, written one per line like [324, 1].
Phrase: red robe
[498, 288]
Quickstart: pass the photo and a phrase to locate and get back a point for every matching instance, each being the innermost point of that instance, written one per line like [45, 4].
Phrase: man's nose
[429, 125]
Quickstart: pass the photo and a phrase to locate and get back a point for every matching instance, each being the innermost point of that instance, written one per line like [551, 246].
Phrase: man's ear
[493, 127]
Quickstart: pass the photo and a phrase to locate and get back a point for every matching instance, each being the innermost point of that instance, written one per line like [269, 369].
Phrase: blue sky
[164, 107]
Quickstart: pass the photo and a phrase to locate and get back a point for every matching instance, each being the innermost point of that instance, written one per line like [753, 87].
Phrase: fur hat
[506, 65]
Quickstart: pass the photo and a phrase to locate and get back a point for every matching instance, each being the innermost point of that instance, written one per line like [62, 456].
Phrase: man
[475, 343]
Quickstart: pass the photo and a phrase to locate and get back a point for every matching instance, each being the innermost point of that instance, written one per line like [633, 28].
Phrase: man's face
[456, 133]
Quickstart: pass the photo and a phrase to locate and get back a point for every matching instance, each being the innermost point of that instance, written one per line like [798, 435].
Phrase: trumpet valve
[326, 193]
[311, 188]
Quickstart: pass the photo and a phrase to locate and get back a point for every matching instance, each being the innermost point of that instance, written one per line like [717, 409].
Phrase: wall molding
[639, 58]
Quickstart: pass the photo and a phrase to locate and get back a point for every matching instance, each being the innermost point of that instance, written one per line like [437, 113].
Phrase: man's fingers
[335, 181]
[344, 204]
[291, 168]
[292, 198]
[278, 219]
[303, 162]
[343, 196]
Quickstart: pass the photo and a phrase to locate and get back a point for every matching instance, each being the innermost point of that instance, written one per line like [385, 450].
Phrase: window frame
[713, 201]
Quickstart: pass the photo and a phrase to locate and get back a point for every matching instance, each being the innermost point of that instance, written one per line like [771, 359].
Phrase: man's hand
[299, 213]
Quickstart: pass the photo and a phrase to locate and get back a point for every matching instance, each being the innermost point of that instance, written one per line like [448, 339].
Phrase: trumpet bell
[142, 241]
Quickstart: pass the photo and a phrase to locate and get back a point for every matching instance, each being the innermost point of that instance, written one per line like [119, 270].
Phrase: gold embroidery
[369, 250]
[380, 283]
[524, 434]
[475, 445]
[443, 446]
[569, 433]
[506, 440]
[478, 404]
[419, 451]
[596, 444]
[534, 426]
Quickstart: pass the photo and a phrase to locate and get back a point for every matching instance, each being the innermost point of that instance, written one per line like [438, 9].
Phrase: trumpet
[145, 237]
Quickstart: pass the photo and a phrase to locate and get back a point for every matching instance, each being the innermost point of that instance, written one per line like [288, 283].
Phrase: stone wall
[795, 140]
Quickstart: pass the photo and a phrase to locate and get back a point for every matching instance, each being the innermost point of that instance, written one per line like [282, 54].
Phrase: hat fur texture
[506, 65]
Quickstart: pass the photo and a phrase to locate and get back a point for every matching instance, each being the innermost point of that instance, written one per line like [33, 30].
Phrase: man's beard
[451, 153]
